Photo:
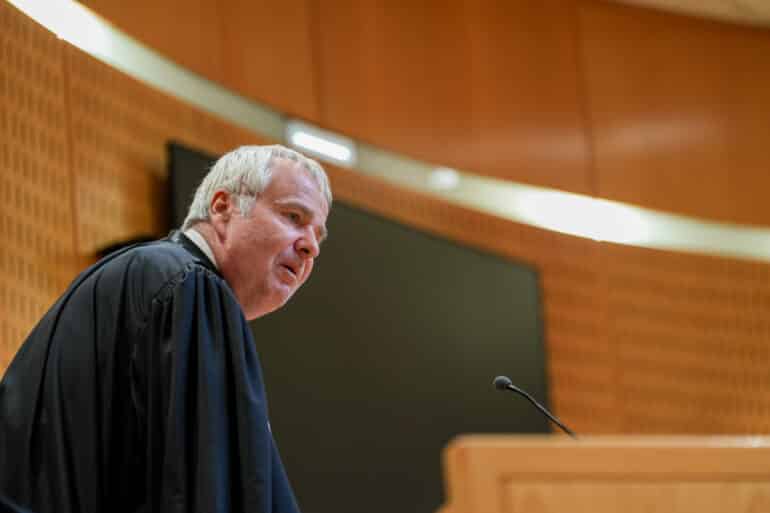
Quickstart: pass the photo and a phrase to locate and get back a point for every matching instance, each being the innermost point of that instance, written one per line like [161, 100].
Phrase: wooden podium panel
[553, 474]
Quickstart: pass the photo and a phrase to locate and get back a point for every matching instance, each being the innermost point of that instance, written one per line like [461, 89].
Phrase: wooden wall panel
[526, 116]
[680, 111]
[36, 256]
[262, 50]
[396, 74]
[488, 86]
[268, 53]
[519, 90]
[120, 129]
[692, 336]
[188, 32]
[217, 136]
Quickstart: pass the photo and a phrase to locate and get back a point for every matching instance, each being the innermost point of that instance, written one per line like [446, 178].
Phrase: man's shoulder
[147, 270]
[161, 258]
[163, 255]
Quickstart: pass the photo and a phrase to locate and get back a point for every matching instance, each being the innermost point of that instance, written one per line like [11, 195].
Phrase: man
[140, 390]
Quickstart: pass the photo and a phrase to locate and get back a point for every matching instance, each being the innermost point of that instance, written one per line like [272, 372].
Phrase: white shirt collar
[198, 239]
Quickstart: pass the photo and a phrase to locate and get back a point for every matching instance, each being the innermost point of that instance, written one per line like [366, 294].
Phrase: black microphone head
[502, 382]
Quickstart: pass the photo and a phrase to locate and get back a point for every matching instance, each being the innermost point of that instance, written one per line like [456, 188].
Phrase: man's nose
[307, 244]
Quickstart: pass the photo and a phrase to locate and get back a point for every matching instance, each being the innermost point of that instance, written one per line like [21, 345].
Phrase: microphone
[505, 383]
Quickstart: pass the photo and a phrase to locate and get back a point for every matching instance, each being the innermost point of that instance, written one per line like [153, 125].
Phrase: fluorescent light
[319, 145]
[71, 22]
[583, 216]
[443, 179]
[322, 144]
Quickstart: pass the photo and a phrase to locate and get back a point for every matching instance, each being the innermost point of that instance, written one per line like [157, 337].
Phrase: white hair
[245, 172]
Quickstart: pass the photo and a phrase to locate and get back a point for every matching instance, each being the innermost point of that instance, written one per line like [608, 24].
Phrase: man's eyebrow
[307, 213]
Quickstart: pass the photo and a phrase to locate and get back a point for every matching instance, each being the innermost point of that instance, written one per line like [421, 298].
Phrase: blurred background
[660, 104]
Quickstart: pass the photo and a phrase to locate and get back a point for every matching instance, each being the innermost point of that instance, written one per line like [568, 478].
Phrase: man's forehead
[292, 172]
[279, 165]
[294, 179]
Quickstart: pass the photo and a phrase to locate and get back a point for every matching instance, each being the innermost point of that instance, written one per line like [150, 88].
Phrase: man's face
[268, 254]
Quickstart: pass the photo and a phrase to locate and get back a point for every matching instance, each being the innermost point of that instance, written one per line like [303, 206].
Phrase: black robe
[140, 390]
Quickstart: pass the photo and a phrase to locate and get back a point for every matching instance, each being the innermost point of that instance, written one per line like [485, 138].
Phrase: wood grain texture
[526, 115]
[693, 341]
[396, 74]
[262, 50]
[268, 54]
[593, 495]
[488, 86]
[188, 32]
[680, 111]
[36, 257]
[497, 474]
[582, 95]
[120, 128]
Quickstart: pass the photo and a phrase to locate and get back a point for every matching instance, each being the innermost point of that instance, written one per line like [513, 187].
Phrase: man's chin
[267, 307]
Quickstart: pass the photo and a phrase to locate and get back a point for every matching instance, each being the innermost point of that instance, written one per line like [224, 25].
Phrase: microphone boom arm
[504, 383]
[548, 414]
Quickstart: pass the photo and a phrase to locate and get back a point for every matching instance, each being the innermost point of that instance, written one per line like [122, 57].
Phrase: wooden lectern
[631, 474]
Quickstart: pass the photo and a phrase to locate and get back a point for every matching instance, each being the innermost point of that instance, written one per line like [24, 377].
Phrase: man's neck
[196, 235]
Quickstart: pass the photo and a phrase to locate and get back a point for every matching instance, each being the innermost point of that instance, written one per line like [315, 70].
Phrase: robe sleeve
[200, 402]
[6, 506]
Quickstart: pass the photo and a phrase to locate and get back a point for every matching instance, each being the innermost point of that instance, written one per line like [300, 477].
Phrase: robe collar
[195, 236]
[180, 238]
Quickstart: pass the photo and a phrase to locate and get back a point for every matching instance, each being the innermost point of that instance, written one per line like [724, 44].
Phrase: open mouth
[290, 269]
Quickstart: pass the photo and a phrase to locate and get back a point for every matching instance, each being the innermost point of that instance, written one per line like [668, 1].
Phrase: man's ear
[221, 207]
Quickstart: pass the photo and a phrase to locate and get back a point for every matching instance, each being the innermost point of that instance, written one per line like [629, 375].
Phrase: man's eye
[295, 217]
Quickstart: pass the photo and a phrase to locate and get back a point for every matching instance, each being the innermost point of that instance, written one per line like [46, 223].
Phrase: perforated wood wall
[637, 340]
[692, 336]
[36, 256]
[119, 132]
[82, 165]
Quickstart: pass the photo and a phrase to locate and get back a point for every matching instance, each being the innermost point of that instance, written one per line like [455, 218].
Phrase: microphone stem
[542, 409]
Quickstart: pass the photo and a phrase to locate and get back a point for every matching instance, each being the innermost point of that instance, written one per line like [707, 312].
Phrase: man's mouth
[291, 269]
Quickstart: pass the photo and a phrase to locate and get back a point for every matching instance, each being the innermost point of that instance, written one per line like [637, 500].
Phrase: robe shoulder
[153, 273]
